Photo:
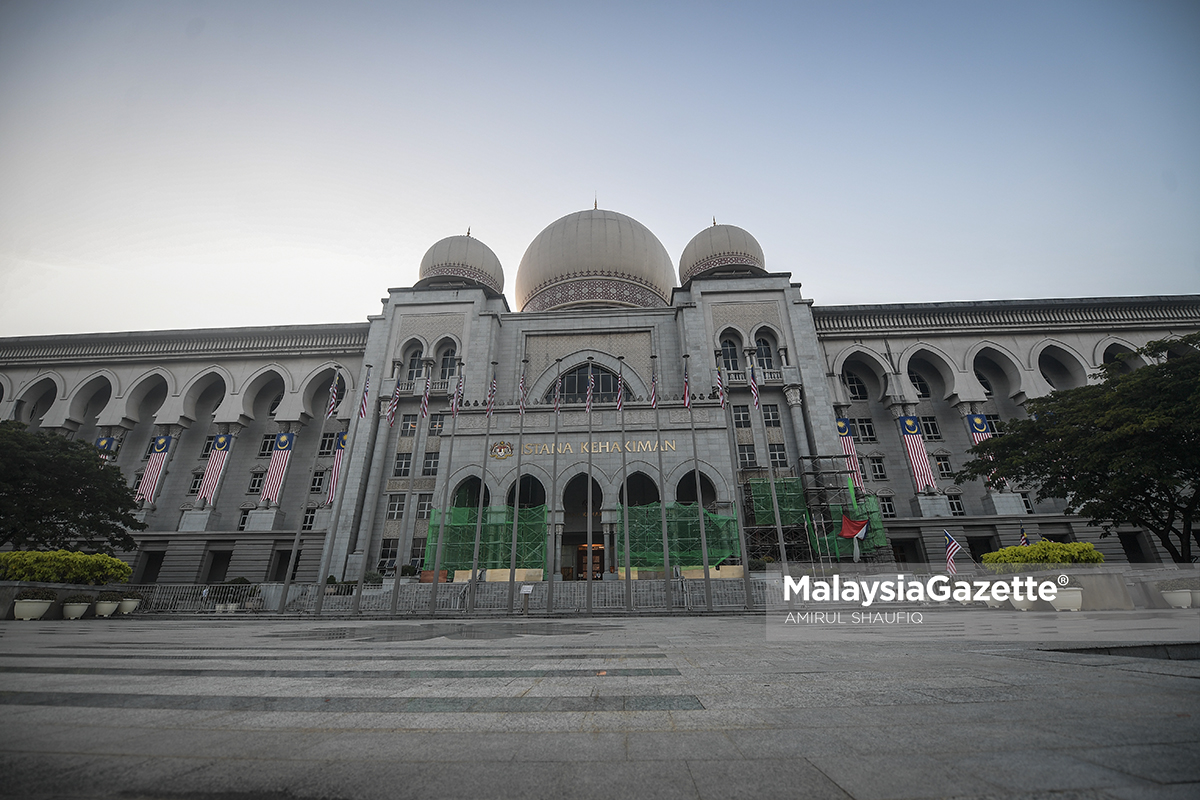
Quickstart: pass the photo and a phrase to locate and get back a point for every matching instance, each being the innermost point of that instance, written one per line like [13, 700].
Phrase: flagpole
[487, 435]
[687, 401]
[512, 554]
[624, 483]
[588, 555]
[455, 402]
[294, 555]
[738, 511]
[335, 509]
[553, 549]
[783, 559]
[420, 440]
[662, 493]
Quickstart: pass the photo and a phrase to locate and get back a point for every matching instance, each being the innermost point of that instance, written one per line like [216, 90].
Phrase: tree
[1125, 451]
[59, 494]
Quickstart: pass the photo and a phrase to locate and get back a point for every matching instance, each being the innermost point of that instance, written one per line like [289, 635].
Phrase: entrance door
[597, 562]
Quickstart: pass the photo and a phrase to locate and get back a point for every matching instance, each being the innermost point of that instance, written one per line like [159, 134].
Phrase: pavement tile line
[339, 705]
[398, 674]
[341, 657]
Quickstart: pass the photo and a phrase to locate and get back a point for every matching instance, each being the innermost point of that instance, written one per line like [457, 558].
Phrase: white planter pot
[105, 608]
[993, 602]
[1024, 604]
[75, 610]
[1178, 598]
[1069, 598]
[30, 609]
[128, 605]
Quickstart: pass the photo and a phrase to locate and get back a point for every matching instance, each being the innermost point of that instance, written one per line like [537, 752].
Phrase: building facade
[600, 301]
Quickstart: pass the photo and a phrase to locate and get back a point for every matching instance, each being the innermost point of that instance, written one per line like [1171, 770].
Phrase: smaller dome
[717, 247]
[456, 259]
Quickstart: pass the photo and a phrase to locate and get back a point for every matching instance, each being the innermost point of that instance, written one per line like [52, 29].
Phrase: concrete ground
[691, 707]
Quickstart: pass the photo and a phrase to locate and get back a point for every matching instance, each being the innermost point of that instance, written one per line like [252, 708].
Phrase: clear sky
[190, 164]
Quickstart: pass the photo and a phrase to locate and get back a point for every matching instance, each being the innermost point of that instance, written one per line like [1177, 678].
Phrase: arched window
[855, 386]
[762, 353]
[414, 364]
[920, 384]
[574, 386]
[985, 383]
[449, 363]
[729, 355]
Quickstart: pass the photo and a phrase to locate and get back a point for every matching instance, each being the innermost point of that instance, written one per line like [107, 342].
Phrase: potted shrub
[129, 601]
[76, 605]
[408, 573]
[1069, 597]
[1177, 592]
[32, 603]
[107, 603]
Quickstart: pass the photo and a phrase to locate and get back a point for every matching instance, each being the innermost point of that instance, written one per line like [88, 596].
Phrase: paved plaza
[691, 707]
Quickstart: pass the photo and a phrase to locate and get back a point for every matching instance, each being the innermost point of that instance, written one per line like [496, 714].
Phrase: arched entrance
[575, 521]
[642, 490]
[533, 494]
[685, 491]
[467, 494]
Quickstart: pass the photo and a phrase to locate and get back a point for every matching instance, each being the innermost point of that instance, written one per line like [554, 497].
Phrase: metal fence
[407, 599]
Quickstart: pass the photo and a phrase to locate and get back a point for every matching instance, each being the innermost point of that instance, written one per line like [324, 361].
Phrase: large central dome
[596, 259]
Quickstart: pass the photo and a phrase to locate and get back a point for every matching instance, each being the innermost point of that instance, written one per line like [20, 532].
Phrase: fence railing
[413, 598]
[570, 597]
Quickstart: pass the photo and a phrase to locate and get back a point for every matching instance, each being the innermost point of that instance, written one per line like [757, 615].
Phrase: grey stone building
[597, 295]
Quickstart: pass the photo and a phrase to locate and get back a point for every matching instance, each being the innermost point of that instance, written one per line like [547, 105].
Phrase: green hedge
[1046, 552]
[63, 566]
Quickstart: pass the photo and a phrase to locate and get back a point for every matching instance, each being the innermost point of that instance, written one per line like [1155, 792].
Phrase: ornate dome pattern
[465, 258]
[594, 258]
[720, 246]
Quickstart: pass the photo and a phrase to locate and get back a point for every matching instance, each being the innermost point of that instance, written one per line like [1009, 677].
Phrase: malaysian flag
[687, 391]
[362, 407]
[393, 404]
[654, 390]
[1024, 538]
[456, 399]
[521, 393]
[591, 389]
[620, 391]
[278, 465]
[107, 445]
[154, 469]
[753, 385]
[333, 396]
[847, 440]
[558, 394]
[339, 449]
[917, 457]
[216, 465]
[952, 547]
[979, 428]
[491, 397]
[720, 387]
[425, 397]
[855, 530]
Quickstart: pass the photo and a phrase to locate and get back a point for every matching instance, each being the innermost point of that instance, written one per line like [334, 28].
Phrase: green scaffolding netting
[790, 494]
[830, 544]
[495, 539]
[683, 536]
